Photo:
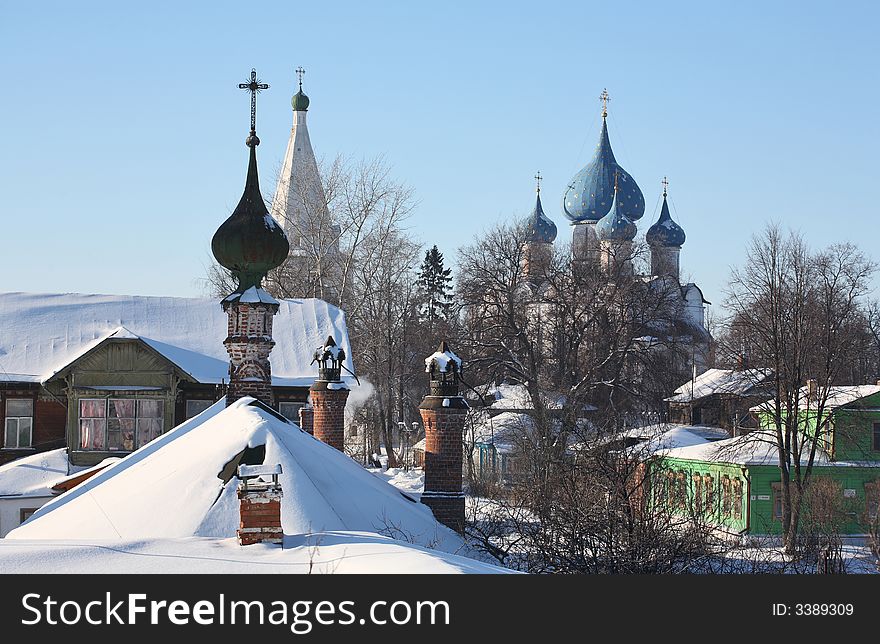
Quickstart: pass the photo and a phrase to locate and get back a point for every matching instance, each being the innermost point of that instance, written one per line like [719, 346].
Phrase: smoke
[358, 396]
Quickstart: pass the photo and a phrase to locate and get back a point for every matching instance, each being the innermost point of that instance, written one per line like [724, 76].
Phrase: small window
[290, 410]
[709, 492]
[876, 442]
[737, 499]
[725, 496]
[196, 407]
[698, 494]
[25, 513]
[872, 499]
[119, 424]
[777, 500]
[19, 423]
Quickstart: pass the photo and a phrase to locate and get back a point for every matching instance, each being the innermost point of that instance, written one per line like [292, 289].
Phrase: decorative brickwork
[248, 344]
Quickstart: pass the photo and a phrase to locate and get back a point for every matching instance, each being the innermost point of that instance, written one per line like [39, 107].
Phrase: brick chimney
[248, 343]
[259, 504]
[307, 419]
[443, 413]
[328, 395]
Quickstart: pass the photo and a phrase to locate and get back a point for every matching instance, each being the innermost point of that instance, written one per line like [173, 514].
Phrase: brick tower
[443, 413]
[250, 244]
[329, 394]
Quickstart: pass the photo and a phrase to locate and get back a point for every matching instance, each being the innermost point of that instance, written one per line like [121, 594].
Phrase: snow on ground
[319, 553]
[172, 488]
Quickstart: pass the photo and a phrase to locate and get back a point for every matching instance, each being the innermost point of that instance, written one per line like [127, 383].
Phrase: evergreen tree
[435, 282]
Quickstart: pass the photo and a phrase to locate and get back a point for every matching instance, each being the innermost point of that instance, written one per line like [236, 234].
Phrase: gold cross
[604, 97]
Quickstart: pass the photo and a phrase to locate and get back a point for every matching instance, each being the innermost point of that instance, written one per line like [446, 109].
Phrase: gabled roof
[837, 396]
[40, 334]
[174, 487]
[720, 381]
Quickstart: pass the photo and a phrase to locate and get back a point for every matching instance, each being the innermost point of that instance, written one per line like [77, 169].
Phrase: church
[603, 202]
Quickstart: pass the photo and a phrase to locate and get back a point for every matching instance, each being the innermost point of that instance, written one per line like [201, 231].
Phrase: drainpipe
[745, 473]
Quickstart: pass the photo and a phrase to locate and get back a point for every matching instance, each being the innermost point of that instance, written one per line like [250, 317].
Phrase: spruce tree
[435, 281]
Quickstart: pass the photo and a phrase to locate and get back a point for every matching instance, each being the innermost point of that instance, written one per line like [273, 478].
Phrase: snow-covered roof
[319, 553]
[837, 396]
[171, 488]
[40, 334]
[516, 397]
[35, 475]
[666, 436]
[443, 359]
[719, 381]
[754, 448]
[504, 431]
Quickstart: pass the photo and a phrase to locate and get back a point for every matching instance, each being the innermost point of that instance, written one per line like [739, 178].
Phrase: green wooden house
[736, 483]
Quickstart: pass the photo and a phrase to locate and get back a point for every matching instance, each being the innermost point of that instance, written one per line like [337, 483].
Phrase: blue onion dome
[590, 192]
[540, 227]
[665, 232]
[615, 226]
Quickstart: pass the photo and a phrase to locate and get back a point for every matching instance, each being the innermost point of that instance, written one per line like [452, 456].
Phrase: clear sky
[124, 128]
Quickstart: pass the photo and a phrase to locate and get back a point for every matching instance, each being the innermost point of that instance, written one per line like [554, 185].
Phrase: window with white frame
[19, 423]
[290, 410]
[119, 424]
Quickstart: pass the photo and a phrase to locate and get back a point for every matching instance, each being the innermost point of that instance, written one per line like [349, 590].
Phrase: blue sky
[124, 128]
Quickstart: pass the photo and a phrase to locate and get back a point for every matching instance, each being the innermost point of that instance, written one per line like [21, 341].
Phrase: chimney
[328, 395]
[307, 420]
[443, 413]
[259, 504]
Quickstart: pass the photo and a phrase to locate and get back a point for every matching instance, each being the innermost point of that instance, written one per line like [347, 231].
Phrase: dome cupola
[665, 232]
[540, 227]
[590, 192]
[615, 226]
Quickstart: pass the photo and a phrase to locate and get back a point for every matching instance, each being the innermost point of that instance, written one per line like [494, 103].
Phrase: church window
[119, 424]
[19, 423]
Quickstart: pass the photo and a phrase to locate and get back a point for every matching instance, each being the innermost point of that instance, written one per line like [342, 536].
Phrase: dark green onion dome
[540, 227]
[250, 243]
[615, 226]
[300, 101]
[665, 232]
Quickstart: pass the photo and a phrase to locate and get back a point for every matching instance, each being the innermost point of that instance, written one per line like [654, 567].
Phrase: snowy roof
[319, 553]
[171, 488]
[443, 359]
[40, 334]
[754, 448]
[504, 431]
[667, 436]
[35, 475]
[837, 396]
[719, 381]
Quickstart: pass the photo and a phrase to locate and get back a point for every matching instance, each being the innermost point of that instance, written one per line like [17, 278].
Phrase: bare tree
[800, 312]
